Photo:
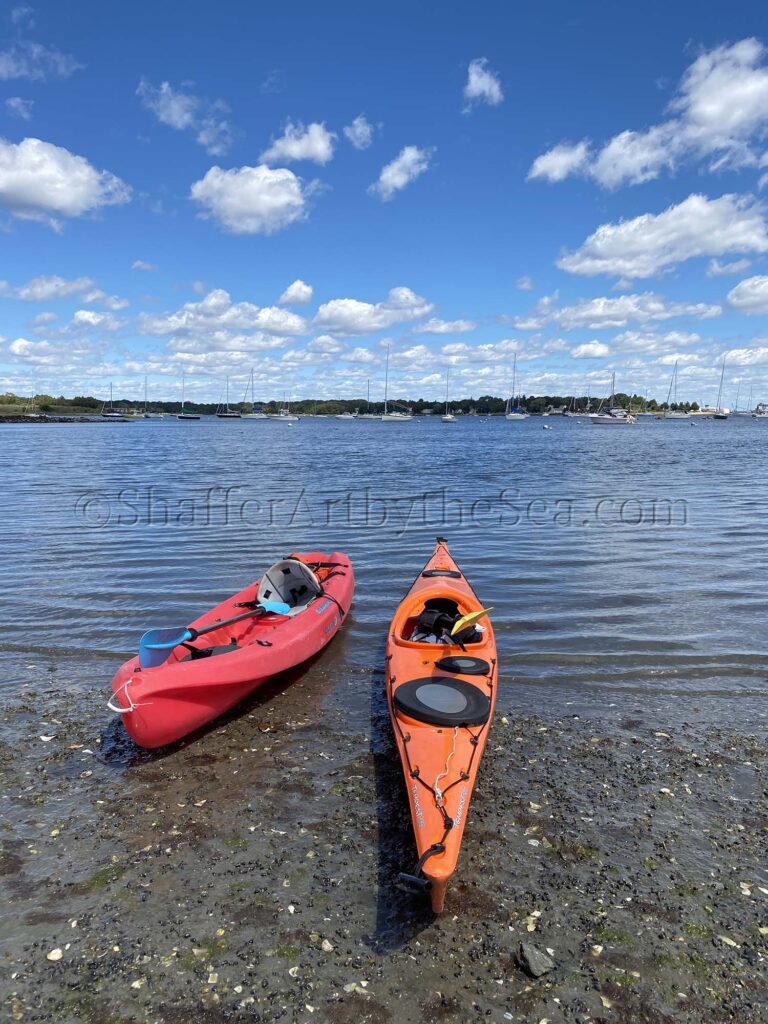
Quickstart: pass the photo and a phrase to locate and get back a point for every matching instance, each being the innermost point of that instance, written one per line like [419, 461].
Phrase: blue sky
[584, 185]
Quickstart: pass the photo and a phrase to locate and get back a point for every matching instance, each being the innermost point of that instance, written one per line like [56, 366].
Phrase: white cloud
[654, 243]
[352, 317]
[39, 181]
[88, 319]
[314, 143]
[750, 296]
[405, 168]
[253, 200]
[590, 350]
[482, 85]
[217, 312]
[143, 265]
[36, 62]
[18, 107]
[325, 343]
[560, 161]
[297, 294]
[719, 114]
[647, 342]
[48, 288]
[614, 311]
[748, 356]
[524, 284]
[43, 289]
[436, 326]
[360, 132]
[185, 111]
[717, 269]
[361, 355]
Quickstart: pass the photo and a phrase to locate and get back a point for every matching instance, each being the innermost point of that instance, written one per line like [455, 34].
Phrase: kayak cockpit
[291, 581]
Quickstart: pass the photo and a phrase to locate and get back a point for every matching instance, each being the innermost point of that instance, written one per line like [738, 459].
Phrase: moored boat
[204, 672]
[441, 688]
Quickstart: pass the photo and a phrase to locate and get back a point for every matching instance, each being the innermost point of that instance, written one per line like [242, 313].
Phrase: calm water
[626, 566]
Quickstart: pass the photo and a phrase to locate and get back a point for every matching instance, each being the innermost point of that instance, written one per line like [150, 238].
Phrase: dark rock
[533, 961]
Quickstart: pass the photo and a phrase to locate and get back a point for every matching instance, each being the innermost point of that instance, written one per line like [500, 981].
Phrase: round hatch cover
[442, 700]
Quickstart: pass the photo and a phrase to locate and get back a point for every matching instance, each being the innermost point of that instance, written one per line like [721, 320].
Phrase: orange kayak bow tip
[441, 691]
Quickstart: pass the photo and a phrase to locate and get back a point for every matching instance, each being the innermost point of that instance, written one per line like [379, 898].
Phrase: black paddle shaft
[224, 622]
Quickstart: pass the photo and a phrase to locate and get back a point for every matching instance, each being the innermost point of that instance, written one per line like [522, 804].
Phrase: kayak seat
[452, 573]
[441, 700]
[291, 581]
[209, 652]
[464, 665]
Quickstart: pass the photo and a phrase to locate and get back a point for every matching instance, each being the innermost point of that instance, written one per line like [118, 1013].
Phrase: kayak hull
[440, 761]
[161, 705]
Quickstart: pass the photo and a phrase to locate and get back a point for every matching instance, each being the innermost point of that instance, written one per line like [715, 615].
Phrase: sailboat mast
[386, 381]
[368, 399]
[514, 379]
[447, 378]
[720, 389]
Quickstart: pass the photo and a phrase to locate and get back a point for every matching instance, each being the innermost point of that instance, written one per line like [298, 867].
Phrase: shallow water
[624, 564]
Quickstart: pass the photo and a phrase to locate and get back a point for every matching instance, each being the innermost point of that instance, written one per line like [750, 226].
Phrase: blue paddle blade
[276, 607]
[156, 644]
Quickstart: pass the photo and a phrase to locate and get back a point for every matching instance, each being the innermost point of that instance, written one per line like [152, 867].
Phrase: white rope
[131, 705]
[438, 791]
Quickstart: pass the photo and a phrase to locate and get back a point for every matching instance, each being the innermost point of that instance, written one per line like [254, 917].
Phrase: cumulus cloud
[750, 296]
[143, 265]
[524, 284]
[560, 161]
[482, 85]
[217, 312]
[40, 181]
[35, 62]
[253, 200]
[297, 294]
[409, 164]
[748, 356]
[47, 288]
[654, 243]
[650, 343]
[185, 111]
[717, 269]
[611, 311]
[360, 132]
[18, 107]
[719, 114]
[436, 326]
[313, 143]
[590, 350]
[352, 317]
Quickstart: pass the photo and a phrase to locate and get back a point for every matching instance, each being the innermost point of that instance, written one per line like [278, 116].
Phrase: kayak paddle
[469, 620]
[156, 645]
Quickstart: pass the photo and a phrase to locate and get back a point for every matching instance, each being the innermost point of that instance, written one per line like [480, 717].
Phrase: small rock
[55, 954]
[213, 978]
[533, 961]
[326, 946]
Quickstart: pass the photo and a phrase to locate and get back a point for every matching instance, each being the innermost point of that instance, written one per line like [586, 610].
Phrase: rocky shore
[613, 869]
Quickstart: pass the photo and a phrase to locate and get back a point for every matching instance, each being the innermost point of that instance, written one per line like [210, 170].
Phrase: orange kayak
[441, 689]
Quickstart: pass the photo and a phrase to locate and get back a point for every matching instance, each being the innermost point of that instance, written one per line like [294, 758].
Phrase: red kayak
[201, 678]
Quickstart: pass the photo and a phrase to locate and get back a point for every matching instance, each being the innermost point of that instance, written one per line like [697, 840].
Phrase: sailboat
[448, 417]
[395, 416]
[512, 412]
[676, 414]
[252, 415]
[368, 415]
[185, 415]
[284, 414]
[226, 413]
[615, 416]
[111, 413]
[347, 415]
[720, 413]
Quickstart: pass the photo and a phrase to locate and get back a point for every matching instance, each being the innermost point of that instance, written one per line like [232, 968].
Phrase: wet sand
[249, 874]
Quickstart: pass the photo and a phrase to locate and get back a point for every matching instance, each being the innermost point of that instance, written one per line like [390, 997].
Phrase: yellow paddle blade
[470, 620]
